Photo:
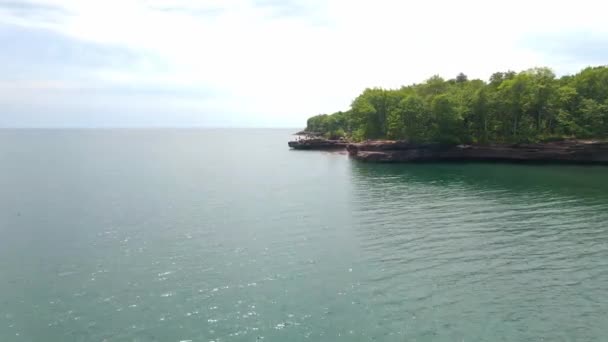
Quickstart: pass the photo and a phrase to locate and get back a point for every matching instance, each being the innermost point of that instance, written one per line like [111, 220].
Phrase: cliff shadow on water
[575, 181]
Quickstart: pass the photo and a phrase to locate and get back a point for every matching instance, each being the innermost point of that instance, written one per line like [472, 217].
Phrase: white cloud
[278, 62]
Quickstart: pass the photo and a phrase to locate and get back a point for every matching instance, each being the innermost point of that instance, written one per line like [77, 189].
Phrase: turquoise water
[226, 235]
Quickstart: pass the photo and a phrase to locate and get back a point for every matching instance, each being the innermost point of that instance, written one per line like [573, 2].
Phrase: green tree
[409, 120]
[447, 121]
[461, 78]
[532, 105]
[567, 104]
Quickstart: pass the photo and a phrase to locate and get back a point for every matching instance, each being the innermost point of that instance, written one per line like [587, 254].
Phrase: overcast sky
[264, 63]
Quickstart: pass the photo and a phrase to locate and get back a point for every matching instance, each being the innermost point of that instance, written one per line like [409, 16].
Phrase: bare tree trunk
[485, 128]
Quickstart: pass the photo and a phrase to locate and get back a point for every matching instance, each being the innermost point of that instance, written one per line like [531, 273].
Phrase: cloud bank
[265, 63]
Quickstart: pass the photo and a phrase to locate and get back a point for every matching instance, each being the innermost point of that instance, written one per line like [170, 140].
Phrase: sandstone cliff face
[317, 144]
[399, 151]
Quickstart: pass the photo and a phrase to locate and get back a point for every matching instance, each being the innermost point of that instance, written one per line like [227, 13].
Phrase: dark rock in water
[309, 134]
[571, 151]
[317, 144]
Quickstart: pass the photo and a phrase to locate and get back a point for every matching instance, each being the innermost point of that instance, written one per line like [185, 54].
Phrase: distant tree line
[533, 105]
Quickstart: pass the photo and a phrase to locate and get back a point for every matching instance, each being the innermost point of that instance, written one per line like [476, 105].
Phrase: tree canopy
[532, 105]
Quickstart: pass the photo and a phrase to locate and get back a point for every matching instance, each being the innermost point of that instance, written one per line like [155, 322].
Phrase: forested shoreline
[529, 106]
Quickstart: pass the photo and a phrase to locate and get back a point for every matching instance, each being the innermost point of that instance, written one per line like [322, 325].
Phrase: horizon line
[140, 127]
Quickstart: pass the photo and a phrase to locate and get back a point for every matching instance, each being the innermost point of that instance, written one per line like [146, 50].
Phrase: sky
[264, 63]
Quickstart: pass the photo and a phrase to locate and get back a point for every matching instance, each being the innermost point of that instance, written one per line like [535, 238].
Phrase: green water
[226, 235]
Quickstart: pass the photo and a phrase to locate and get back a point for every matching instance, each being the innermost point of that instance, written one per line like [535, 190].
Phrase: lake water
[227, 235]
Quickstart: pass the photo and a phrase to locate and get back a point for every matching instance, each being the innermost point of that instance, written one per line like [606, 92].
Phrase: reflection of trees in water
[578, 182]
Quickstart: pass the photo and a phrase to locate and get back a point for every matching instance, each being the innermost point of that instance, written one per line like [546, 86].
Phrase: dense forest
[530, 106]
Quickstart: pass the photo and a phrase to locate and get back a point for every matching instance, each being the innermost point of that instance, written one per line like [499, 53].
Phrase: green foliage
[448, 122]
[408, 119]
[533, 105]
[461, 78]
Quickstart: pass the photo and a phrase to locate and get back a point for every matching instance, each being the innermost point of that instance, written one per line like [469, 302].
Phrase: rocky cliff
[572, 151]
[317, 144]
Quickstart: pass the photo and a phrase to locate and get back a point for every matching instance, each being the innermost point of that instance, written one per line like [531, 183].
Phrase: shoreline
[389, 151]
[318, 144]
[569, 151]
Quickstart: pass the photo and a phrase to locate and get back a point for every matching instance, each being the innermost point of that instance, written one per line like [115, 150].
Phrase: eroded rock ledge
[571, 151]
[317, 144]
